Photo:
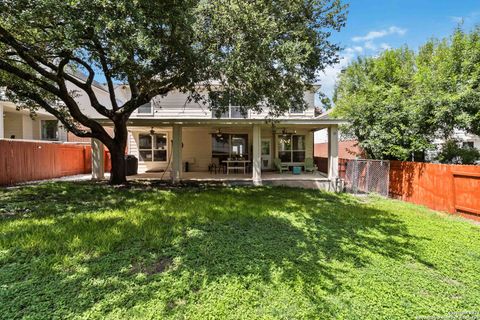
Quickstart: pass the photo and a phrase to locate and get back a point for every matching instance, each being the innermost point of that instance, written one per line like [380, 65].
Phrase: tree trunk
[118, 171]
[118, 174]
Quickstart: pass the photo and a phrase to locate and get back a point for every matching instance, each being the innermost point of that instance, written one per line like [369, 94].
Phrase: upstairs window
[226, 106]
[145, 109]
[49, 129]
[296, 110]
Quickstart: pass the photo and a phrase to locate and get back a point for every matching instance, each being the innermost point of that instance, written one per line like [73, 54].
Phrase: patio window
[153, 147]
[291, 148]
[226, 146]
[49, 129]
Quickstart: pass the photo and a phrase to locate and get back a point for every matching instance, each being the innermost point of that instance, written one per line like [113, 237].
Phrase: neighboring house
[17, 124]
[347, 149]
[463, 138]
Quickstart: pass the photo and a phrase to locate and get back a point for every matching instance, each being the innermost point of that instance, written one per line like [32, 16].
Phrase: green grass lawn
[84, 251]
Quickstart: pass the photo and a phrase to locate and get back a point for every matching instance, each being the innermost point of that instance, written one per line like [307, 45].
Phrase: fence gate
[366, 176]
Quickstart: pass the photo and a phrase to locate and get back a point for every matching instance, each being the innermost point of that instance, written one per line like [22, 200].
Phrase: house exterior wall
[348, 149]
[22, 126]
[13, 125]
[27, 127]
[197, 145]
[175, 105]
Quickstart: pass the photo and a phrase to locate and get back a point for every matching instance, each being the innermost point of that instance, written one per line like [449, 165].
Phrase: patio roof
[148, 122]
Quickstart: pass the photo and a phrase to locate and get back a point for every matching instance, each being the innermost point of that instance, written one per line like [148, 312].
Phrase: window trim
[279, 137]
[246, 155]
[230, 107]
[152, 149]
[301, 113]
[57, 138]
[151, 113]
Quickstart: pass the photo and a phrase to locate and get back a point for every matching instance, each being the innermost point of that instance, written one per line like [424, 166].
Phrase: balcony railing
[233, 112]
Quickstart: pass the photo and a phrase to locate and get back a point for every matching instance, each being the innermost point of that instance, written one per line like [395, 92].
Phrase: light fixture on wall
[152, 132]
[218, 135]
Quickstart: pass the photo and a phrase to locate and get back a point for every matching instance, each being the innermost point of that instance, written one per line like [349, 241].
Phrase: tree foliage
[401, 100]
[267, 53]
[453, 152]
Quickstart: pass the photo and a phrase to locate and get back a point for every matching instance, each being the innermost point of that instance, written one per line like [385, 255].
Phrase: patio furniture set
[244, 166]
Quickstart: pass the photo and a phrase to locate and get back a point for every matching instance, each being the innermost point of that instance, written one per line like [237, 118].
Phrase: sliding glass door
[226, 146]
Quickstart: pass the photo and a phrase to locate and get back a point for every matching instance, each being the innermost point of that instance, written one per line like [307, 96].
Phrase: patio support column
[257, 155]
[176, 153]
[333, 152]
[2, 128]
[98, 167]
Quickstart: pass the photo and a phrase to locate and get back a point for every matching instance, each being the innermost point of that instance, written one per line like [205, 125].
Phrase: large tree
[265, 52]
[401, 100]
[374, 93]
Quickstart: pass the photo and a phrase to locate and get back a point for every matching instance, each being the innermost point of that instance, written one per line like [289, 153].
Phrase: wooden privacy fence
[22, 161]
[444, 187]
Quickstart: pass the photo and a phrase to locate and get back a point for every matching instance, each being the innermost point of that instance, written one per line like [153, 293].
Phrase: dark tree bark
[118, 167]
[117, 151]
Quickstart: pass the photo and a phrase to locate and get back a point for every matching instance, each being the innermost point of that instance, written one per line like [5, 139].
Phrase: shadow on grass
[71, 249]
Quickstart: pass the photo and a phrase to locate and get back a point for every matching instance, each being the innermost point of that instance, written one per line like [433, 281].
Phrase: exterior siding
[144, 166]
[175, 105]
[197, 148]
[13, 125]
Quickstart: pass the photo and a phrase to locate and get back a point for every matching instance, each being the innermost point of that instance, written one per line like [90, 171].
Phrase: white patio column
[2, 127]
[98, 168]
[333, 152]
[176, 154]
[257, 155]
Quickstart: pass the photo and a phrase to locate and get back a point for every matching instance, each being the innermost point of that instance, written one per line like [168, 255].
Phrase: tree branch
[108, 76]
[60, 76]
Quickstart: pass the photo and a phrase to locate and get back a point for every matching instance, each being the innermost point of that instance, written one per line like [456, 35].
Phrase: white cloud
[369, 45]
[329, 76]
[468, 19]
[353, 50]
[380, 34]
[457, 20]
[385, 46]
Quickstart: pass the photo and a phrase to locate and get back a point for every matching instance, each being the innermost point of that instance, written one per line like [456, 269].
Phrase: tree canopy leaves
[267, 53]
[401, 100]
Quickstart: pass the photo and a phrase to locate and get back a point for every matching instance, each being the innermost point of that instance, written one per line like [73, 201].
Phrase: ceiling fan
[218, 133]
[285, 133]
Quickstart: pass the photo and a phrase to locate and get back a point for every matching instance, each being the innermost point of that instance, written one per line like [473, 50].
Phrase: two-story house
[188, 139]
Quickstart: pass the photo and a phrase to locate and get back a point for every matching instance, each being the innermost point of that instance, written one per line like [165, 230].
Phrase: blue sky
[374, 25]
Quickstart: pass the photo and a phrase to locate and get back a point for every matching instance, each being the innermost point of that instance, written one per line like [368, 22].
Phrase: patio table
[235, 164]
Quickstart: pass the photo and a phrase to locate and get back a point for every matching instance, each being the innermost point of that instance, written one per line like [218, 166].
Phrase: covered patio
[187, 149]
[316, 180]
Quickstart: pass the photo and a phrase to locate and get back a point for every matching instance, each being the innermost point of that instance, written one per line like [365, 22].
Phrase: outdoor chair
[214, 165]
[310, 166]
[279, 165]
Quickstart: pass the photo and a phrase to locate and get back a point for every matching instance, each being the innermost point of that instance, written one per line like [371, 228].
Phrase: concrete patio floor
[316, 180]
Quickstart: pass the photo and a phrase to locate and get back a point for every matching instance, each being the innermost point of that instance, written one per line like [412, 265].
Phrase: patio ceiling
[314, 123]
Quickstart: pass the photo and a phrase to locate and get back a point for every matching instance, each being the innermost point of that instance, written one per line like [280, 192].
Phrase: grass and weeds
[86, 251]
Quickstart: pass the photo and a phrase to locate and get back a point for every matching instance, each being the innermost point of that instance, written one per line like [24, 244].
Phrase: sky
[375, 25]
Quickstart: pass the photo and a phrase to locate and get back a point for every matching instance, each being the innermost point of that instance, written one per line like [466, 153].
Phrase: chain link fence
[367, 176]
